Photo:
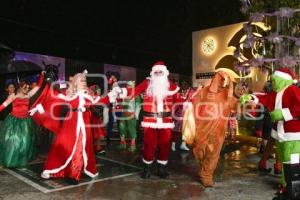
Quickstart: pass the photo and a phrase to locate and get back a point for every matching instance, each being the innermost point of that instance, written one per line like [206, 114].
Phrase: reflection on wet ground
[236, 178]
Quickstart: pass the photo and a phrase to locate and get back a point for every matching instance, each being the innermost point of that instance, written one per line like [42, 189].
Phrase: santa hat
[285, 73]
[160, 66]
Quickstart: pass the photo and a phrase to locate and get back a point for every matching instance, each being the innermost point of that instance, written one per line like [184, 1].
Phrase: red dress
[20, 107]
[97, 125]
[72, 150]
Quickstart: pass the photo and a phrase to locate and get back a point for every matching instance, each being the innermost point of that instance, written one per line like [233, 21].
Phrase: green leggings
[284, 151]
[127, 128]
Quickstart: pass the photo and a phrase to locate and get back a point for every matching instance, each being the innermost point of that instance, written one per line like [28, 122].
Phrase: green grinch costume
[283, 105]
[127, 121]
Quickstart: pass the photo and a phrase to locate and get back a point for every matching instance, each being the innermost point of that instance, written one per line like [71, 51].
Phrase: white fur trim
[160, 105]
[287, 114]
[123, 93]
[45, 175]
[112, 95]
[61, 96]
[159, 120]
[259, 93]
[280, 134]
[283, 75]
[94, 100]
[91, 174]
[287, 136]
[147, 162]
[5, 104]
[80, 128]
[163, 162]
[158, 125]
[170, 93]
[68, 98]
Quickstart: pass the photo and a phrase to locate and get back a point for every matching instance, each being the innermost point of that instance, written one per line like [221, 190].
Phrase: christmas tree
[279, 45]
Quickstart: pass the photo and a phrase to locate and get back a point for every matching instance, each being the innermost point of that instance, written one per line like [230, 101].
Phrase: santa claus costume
[72, 150]
[159, 95]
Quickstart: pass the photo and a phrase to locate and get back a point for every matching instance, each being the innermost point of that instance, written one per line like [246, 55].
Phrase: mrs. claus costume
[72, 149]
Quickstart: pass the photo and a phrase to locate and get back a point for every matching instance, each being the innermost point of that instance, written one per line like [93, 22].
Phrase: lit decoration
[280, 46]
[209, 46]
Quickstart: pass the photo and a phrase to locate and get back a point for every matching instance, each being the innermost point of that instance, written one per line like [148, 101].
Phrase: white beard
[158, 87]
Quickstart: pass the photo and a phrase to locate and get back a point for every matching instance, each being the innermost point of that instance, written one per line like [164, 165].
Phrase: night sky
[132, 33]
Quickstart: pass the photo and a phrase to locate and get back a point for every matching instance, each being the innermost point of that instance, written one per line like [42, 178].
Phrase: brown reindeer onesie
[212, 106]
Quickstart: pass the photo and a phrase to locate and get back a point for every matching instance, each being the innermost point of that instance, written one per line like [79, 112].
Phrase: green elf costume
[127, 122]
[284, 107]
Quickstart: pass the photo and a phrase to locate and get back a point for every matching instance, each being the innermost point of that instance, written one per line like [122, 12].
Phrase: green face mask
[279, 83]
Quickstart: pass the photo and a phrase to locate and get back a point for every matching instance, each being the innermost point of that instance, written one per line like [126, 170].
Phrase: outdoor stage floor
[236, 178]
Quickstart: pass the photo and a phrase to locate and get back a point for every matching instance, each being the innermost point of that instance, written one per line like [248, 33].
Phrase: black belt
[159, 114]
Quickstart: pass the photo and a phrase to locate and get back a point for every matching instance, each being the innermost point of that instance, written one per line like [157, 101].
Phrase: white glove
[113, 95]
[117, 89]
[39, 108]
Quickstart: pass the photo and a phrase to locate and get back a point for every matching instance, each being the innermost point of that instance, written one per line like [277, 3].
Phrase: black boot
[146, 172]
[162, 171]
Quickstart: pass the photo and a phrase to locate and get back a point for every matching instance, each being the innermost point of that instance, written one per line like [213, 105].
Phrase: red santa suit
[157, 119]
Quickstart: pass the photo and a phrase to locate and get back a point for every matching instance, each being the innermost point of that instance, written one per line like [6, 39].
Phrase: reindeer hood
[221, 80]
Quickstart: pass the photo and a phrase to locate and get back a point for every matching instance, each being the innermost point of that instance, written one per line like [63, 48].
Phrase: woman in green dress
[17, 137]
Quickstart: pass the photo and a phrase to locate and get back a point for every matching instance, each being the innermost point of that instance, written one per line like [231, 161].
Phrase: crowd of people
[168, 117]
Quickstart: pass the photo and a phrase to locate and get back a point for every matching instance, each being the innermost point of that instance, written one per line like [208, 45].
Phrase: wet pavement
[236, 178]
